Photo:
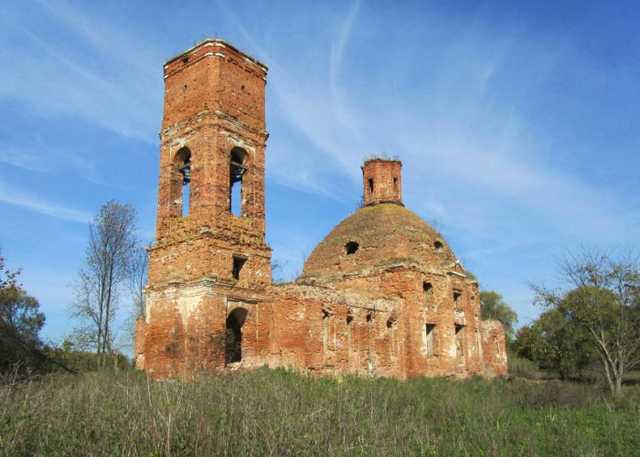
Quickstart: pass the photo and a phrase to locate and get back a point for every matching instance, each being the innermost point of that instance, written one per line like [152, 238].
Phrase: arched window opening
[233, 343]
[427, 290]
[183, 163]
[437, 245]
[351, 247]
[237, 171]
[370, 181]
[395, 184]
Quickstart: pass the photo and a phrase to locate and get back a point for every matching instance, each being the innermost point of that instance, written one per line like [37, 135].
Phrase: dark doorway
[233, 344]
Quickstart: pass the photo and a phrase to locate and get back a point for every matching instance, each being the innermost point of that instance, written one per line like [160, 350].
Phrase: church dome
[376, 237]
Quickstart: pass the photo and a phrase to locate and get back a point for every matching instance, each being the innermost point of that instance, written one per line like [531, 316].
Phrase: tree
[18, 309]
[20, 323]
[555, 342]
[604, 302]
[492, 306]
[107, 266]
[138, 279]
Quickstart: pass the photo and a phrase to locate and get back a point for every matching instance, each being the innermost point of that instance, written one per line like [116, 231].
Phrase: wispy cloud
[16, 197]
[469, 148]
[50, 76]
[35, 155]
[22, 160]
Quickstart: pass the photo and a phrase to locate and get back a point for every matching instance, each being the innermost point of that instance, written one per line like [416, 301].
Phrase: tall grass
[277, 413]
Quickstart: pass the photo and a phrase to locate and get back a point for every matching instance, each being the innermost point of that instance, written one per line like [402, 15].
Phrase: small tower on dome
[382, 181]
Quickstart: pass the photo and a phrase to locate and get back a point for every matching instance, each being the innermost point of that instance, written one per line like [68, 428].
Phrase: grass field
[278, 413]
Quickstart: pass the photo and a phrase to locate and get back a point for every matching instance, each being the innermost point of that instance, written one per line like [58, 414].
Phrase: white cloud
[12, 196]
[110, 88]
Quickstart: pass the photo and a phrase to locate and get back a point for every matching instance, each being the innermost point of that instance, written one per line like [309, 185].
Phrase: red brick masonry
[381, 295]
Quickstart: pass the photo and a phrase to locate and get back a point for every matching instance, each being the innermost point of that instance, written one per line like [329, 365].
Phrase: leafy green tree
[20, 322]
[557, 343]
[603, 302]
[492, 306]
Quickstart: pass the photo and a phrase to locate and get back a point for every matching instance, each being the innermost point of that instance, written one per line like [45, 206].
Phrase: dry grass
[277, 413]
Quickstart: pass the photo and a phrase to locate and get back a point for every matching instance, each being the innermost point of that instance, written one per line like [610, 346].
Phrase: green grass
[279, 413]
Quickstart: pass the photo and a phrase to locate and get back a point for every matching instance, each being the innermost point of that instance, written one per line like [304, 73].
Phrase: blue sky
[517, 123]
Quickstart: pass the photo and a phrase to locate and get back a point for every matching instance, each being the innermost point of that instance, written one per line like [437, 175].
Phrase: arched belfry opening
[182, 161]
[233, 341]
[238, 168]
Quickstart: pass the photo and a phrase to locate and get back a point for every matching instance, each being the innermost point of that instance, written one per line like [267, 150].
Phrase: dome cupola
[382, 181]
[382, 234]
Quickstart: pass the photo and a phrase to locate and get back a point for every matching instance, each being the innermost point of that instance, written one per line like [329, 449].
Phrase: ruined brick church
[382, 294]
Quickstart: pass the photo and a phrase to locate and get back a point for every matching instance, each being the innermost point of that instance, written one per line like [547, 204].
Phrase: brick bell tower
[210, 249]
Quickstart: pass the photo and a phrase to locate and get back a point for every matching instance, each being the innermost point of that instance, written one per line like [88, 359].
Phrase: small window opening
[238, 263]
[391, 322]
[430, 330]
[236, 173]
[349, 319]
[325, 330]
[437, 245]
[459, 329]
[183, 160]
[456, 296]
[369, 316]
[370, 181]
[427, 289]
[351, 247]
[395, 184]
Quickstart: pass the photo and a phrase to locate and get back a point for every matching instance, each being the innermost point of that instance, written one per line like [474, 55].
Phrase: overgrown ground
[280, 414]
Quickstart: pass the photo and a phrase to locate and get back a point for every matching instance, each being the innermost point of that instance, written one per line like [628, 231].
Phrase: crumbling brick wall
[494, 348]
[381, 295]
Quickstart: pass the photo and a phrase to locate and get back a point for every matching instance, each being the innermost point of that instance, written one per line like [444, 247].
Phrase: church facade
[381, 295]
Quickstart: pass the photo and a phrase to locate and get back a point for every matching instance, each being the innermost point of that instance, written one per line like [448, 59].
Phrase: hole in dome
[351, 247]
[437, 245]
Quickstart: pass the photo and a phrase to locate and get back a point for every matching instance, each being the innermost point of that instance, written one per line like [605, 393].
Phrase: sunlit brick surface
[382, 294]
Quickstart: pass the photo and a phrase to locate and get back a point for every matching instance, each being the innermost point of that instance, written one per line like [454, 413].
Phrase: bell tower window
[183, 164]
[237, 171]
